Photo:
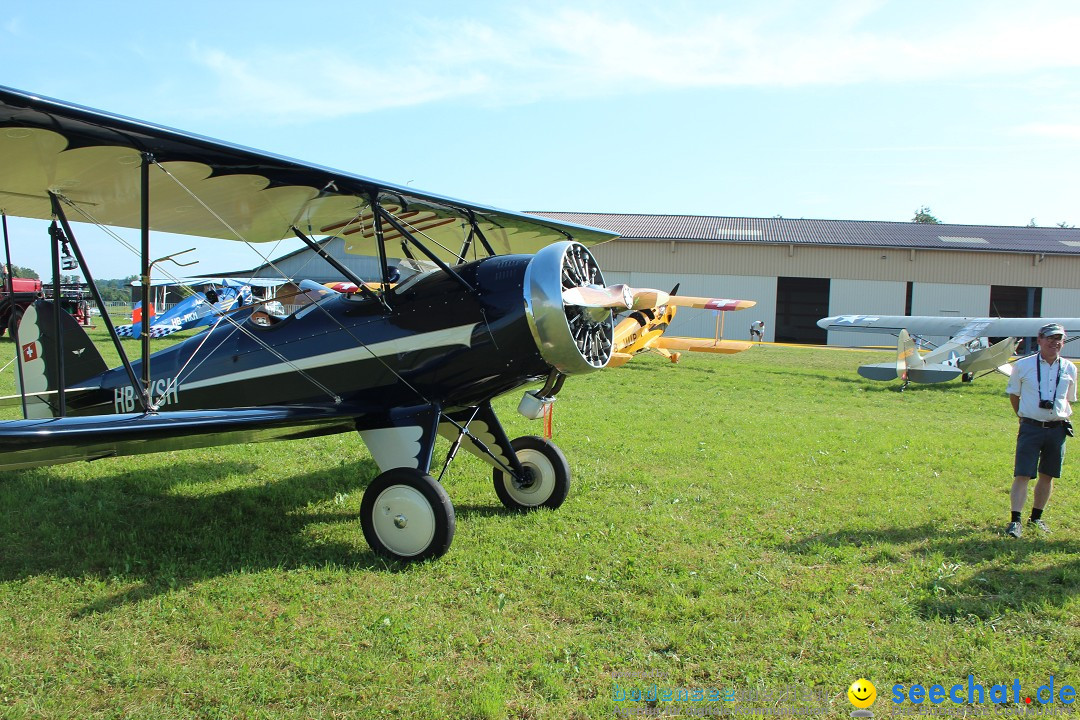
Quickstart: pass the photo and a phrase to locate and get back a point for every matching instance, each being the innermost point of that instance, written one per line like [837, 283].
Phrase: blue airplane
[198, 310]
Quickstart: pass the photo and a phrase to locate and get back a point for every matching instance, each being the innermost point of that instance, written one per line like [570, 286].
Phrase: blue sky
[840, 109]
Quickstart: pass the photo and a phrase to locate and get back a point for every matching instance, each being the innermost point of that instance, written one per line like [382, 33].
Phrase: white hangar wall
[865, 297]
[1060, 302]
[853, 263]
[949, 299]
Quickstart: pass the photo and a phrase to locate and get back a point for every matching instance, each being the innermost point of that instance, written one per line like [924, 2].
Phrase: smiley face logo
[862, 693]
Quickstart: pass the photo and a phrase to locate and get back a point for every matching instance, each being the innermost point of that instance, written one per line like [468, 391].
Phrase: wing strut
[381, 213]
[380, 242]
[144, 211]
[61, 403]
[474, 231]
[69, 236]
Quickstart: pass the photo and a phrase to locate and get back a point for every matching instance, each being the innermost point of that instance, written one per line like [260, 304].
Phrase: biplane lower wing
[722, 347]
[52, 441]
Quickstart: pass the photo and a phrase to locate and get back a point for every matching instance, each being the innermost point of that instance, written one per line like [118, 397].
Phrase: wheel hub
[404, 521]
[528, 477]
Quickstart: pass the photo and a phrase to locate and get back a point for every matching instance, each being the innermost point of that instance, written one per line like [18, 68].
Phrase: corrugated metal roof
[857, 233]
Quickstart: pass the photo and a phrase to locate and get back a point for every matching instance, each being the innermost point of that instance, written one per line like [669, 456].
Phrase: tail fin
[37, 345]
[907, 355]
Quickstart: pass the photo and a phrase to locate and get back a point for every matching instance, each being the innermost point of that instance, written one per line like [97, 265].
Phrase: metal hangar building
[802, 270]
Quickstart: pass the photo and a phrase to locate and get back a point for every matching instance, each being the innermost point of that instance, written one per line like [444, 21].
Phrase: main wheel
[547, 476]
[407, 516]
[13, 322]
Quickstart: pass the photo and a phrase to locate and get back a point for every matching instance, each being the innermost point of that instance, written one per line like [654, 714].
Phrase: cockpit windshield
[412, 271]
[309, 294]
[291, 300]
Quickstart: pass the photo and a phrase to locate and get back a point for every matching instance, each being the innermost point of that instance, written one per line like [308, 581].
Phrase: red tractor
[15, 295]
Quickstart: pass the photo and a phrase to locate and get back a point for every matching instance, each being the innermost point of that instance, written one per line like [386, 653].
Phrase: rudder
[37, 345]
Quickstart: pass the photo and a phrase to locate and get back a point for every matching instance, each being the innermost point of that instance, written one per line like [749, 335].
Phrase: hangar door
[800, 303]
[1013, 301]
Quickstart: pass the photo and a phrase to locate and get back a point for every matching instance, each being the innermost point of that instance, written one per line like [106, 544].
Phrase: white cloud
[1057, 131]
[575, 51]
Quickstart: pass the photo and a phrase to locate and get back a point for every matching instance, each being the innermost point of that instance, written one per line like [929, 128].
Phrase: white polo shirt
[1024, 383]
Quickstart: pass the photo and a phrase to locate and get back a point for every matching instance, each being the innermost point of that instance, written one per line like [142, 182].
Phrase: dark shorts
[1039, 450]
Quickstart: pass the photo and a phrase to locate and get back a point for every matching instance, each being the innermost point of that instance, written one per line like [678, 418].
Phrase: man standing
[1040, 389]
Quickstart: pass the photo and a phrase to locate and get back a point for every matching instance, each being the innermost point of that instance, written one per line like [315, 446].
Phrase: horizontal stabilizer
[924, 374]
[879, 371]
[723, 347]
[933, 373]
[156, 331]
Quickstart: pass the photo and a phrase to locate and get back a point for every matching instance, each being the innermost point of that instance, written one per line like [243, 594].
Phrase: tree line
[926, 216]
[118, 290]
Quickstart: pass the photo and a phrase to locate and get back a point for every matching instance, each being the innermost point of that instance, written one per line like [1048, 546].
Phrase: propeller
[614, 297]
[624, 297]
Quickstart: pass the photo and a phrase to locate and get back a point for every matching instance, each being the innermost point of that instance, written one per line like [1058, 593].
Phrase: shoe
[1039, 524]
[1015, 530]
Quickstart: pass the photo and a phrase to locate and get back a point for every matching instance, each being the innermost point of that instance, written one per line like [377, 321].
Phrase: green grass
[754, 522]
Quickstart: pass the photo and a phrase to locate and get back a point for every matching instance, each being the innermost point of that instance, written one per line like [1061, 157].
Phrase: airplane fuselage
[437, 342]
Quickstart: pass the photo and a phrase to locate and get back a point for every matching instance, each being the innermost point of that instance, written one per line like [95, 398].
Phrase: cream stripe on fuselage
[461, 335]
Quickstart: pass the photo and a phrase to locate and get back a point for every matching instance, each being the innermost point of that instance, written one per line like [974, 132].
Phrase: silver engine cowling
[571, 338]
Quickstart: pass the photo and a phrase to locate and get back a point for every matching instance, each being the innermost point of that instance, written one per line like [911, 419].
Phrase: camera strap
[1038, 377]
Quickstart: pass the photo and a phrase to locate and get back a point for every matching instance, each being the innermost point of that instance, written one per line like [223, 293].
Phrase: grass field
[756, 523]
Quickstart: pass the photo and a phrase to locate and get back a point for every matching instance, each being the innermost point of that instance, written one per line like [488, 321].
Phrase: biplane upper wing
[94, 162]
[710, 303]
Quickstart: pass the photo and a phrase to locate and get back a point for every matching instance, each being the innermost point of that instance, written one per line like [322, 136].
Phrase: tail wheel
[547, 476]
[407, 516]
[13, 322]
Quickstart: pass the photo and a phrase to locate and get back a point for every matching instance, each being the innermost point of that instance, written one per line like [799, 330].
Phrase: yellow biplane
[651, 313]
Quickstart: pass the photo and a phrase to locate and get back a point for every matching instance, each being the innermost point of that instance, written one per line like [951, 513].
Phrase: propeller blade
[648, 298]
[598, 296]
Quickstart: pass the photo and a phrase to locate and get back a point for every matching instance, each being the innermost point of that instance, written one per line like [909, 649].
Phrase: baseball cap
[1051, 329]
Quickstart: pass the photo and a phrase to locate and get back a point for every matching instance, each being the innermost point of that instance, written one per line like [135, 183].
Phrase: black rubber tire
[13, 322]
[407, 516]
[548, 469]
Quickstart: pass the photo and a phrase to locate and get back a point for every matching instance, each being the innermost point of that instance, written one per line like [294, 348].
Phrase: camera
[1046, 404]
